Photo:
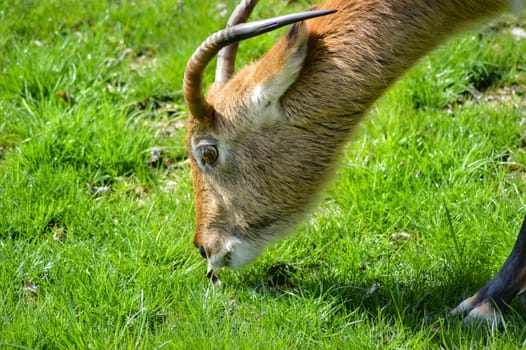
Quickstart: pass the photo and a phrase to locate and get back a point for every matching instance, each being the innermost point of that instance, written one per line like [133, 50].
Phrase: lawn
[96, 204]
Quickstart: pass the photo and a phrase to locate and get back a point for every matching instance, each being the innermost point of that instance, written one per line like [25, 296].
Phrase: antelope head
[251, 161]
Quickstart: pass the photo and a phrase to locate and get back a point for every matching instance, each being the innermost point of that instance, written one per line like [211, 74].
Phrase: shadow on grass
[422, 304]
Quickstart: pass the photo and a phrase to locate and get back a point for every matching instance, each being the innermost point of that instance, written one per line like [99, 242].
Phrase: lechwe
[266, 140]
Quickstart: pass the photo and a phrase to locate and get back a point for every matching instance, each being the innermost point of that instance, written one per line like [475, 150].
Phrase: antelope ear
[278, 69]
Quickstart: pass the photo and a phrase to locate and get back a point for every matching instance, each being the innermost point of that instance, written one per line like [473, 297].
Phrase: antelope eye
[208, 154]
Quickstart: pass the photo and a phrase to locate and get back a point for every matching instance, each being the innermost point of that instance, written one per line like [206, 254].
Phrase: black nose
[202, 251]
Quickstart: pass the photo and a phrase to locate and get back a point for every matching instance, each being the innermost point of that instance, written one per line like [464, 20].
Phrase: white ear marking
[272, 89]
[266, 95]
[265, 107]
[258, 96]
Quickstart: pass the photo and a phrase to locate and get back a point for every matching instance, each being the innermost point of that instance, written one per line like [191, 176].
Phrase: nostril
[202, 251]
[227, 260]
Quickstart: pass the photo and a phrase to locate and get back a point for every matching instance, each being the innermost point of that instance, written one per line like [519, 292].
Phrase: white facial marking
[244, 254]
[236, 253]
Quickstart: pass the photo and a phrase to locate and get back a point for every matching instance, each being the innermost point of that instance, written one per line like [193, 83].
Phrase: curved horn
[226, 57]
[193, 75]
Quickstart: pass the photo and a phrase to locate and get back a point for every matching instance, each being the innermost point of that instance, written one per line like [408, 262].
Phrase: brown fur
[280, 124]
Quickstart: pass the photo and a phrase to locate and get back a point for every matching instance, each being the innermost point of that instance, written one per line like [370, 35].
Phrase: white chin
[242, 253]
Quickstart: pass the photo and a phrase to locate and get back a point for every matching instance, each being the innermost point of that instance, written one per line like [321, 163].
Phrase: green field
[96, 204]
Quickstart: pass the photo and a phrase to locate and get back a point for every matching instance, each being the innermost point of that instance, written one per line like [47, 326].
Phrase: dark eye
[208, 154]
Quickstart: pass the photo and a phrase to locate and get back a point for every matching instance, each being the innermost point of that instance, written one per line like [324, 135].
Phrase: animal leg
[493, 299]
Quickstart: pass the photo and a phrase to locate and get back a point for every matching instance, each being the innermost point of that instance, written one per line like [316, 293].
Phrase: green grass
[96, 211]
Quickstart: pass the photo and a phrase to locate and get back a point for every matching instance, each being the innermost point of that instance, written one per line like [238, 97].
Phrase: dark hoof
[479, 310]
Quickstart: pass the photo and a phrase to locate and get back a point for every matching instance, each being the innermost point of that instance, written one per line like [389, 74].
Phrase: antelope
[265, 141]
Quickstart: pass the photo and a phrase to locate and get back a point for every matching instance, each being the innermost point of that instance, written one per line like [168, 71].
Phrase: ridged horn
[193, 75]
[226, 57]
